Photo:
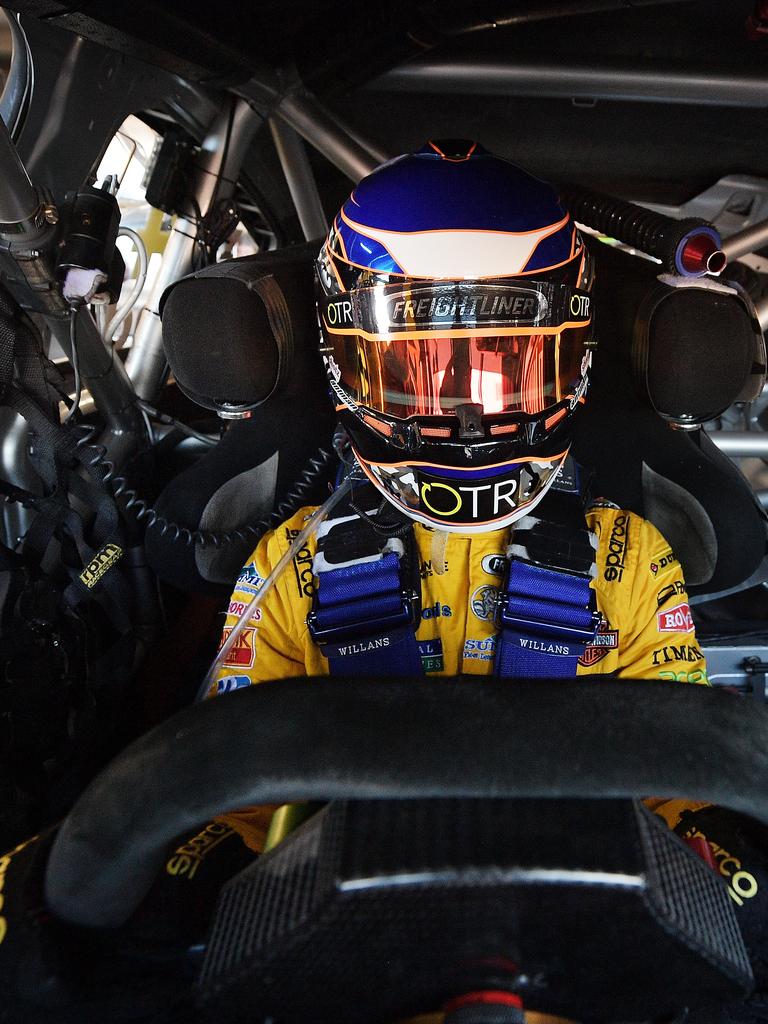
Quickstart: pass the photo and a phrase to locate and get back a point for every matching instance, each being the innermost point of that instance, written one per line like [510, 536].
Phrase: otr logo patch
[470, 498]
[580, 306]
[339, 312]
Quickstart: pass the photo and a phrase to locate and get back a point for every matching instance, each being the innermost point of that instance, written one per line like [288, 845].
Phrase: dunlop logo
[101, 562]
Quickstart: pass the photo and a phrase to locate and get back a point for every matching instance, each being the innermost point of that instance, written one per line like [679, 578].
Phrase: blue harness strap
[546, 611]
[365, 609]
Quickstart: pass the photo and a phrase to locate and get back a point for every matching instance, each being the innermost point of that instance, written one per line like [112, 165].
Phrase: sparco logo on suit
[617, 549]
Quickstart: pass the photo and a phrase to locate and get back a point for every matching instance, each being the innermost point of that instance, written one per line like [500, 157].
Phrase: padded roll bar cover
[323, 739]
[616, 457]
[223, 343]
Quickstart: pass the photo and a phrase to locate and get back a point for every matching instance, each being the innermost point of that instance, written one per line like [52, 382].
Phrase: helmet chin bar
[476, 502]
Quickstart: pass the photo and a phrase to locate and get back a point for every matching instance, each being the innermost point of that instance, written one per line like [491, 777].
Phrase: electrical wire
[310, 527]
[141, 509]
[133, 297]
[75, 365]
[148, 425]
[170, 421]
[99, 310]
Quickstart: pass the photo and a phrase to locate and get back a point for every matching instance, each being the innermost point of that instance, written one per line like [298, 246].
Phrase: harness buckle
[507, 620]
[404, 616]
[551, 563]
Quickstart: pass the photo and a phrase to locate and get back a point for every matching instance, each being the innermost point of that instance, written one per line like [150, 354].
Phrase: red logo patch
[606, 640]
[242, 654]
[675, 620]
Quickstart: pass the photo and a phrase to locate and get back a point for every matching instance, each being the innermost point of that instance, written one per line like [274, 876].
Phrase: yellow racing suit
[646, 630]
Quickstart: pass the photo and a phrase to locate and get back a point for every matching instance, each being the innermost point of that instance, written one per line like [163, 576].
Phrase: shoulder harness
[367, 603]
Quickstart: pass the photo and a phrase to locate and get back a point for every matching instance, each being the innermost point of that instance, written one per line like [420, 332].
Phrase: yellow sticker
[101, 562]
[5, 863]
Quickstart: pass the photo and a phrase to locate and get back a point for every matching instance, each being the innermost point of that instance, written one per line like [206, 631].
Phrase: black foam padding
[230, 355]
[617, 432]
[336, 738]
[219, 339]
[700, 352]
[222, 346]
[295, 431]
[376, 911]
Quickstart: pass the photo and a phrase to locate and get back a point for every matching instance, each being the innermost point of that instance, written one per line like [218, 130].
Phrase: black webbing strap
[7, 339]
[51, 434]
[87, 563]
[556, 535]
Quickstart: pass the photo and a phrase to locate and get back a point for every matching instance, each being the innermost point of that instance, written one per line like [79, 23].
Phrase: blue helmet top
[452, 209]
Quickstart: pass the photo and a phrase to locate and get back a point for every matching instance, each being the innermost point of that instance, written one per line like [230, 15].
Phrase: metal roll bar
[18, 84]
[299, 178]
[104, 375]
[746, 241]
[222, 153]
[19, 199]
[741, 443]
[283, 95]
[610, 80]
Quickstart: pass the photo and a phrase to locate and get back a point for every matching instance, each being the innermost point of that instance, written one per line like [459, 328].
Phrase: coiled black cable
[142, 509]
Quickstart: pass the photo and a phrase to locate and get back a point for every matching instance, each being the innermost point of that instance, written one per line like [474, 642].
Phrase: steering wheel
[333, 739]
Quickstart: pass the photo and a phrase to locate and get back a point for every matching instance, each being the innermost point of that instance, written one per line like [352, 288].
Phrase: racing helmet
[455, 314]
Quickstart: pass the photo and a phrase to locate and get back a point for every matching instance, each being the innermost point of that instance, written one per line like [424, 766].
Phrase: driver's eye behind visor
[431, 376]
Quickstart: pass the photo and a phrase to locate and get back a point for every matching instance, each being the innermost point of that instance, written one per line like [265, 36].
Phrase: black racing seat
[245, 332]
[241, 337]
[678, 480]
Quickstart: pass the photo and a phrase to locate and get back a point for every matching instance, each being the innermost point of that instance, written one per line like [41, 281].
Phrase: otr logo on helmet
[580, 305]
[444, 500]
[339, 312]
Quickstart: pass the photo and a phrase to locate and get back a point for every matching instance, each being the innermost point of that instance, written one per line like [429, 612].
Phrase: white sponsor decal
[494, 565]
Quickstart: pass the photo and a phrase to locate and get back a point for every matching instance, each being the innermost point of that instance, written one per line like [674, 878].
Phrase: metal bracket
[758, 670]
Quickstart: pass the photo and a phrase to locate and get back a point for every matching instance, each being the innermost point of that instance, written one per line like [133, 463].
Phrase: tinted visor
[426, 349]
